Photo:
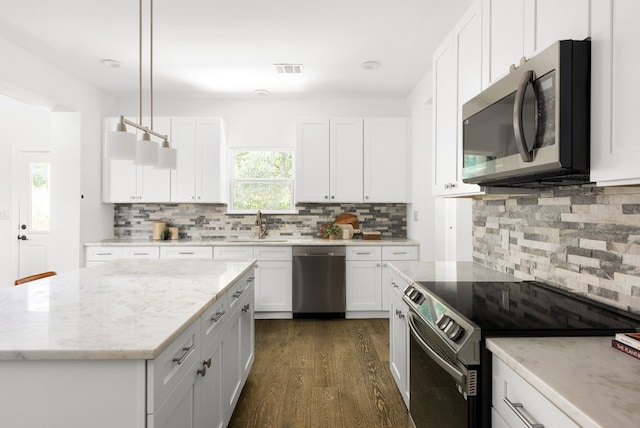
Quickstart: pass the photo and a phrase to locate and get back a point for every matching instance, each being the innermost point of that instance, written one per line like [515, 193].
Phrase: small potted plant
[332, 230]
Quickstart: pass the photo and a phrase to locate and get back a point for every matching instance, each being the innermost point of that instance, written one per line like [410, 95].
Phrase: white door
[33, 229]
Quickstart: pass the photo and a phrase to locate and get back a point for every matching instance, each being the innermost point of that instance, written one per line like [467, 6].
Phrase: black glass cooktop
[531, 308]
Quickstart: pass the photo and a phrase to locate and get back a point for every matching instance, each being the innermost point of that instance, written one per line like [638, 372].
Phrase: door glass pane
[39, 177]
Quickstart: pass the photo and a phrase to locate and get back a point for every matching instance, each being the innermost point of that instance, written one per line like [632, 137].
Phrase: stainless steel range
[450, 368]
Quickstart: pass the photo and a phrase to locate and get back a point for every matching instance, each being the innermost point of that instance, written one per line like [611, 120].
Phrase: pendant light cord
[140, 62]
[151, 60]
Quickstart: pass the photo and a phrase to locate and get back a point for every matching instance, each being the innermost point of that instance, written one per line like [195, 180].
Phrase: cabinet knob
[333, 197]
[326, 197]
[366, 197]
[245, 308]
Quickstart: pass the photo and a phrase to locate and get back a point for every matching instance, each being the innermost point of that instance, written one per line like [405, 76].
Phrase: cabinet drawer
[400, 253]
[186, 252]
[509, 387]
[272, 253]
[232, 253]
[166, 371]
[364, 253]
[140, 252]
[103, 254]
[239, 288]
[212, 320]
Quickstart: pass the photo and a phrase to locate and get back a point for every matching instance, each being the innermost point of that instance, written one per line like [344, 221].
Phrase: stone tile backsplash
[209, 221]
[583, 238]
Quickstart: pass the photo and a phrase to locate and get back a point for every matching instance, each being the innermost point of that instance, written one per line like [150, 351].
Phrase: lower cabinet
[368, 278]
[218, 365]
[515, 403]
[399, 336]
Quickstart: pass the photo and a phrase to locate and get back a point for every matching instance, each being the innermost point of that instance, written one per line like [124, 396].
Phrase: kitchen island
[131, 343]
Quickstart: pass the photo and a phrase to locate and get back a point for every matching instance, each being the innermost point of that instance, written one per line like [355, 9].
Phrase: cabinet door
[154, 185]
[178, 410]
[444, 119]
[209, 404]
[385, 160]
[546, 22]
[345, 166]
[273, 287]
[364, 285]
[614, 147]
[467, 43]
[503, 39]
[312, 160]
[247, 334]
[398, 345]
[210, 161]
[183, 178]
[122, 177]
[231, 352]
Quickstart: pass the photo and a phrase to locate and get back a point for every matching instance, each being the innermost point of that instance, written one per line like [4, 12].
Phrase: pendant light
[120, 144]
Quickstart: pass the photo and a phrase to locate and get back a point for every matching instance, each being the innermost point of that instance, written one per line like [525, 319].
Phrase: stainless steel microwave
[531, 128]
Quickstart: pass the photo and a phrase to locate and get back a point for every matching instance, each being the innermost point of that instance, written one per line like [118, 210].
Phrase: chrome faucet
[262, 228]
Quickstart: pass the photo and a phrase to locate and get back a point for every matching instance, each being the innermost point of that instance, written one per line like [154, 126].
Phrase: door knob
[23, 237]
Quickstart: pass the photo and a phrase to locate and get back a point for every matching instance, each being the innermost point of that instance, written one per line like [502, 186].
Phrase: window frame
[233, 180]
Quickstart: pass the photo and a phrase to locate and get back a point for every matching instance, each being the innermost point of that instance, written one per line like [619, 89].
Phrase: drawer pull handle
[237, 293]
[186, 253]
[363, 254]
[187, 351]
[245, 308]
[399, 252]
[139, 254]
[250, 279]
[517, 409]
[103, 254]
[216, 317]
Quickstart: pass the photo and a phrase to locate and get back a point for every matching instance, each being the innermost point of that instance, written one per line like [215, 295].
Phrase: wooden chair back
[33, 277]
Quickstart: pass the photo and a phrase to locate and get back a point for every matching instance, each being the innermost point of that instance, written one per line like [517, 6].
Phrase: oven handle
[453, 371]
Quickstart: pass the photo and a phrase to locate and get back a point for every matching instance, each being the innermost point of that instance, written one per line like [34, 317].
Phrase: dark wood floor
[321, 373]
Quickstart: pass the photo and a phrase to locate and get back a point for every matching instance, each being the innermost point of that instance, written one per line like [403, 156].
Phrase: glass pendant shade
[167, 157]
[120, 145]
[146, 151]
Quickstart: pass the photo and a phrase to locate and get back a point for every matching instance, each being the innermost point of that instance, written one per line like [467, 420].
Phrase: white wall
[27, 78]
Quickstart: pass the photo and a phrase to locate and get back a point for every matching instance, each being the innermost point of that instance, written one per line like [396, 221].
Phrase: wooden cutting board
[347, 218]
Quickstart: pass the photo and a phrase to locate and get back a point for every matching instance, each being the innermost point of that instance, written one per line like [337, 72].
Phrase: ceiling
[227, 48]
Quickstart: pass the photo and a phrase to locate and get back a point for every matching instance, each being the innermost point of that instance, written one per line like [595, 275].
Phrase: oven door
[437, 382]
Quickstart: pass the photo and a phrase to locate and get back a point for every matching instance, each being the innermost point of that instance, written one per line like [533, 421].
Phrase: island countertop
[126, 309]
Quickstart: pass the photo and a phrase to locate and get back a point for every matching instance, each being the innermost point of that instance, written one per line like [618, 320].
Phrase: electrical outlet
[415, 215]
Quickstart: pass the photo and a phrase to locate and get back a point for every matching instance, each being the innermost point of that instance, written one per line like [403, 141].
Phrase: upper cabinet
[200, 172]
[351, 160]
[513, 29]
[457, 77]
[614, 97]
[125, 182]
[199, 176]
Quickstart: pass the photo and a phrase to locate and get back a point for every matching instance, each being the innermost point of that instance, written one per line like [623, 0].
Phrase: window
[262, 180]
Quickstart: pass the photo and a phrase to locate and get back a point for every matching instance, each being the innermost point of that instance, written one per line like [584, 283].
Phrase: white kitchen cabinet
[399, 336]
[210, 401]
[186, 252]
[614, 147]
[457, 75]
[385, 160]
[99, 254]
[232, 253]
[364, 278]
[513, 29]
[201, 163]
[312, 160]
[274, 287]
[516, 401]
[125, 182]
[351, 160]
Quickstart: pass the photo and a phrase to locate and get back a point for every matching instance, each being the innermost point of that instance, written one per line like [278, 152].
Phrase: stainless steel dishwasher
[319, 285]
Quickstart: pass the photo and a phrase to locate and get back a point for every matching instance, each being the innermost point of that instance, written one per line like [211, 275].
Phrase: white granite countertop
[280, 241]
[591, 382]
[449, 272]
[126, 309]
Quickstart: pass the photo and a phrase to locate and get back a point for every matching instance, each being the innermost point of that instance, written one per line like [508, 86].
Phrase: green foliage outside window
[262, 180]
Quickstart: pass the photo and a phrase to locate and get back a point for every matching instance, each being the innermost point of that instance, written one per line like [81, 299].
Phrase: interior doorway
[34, 225]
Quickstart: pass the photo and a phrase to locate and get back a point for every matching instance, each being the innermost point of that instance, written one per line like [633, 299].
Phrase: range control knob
[407, 291]
[454, 331]
[443, 321]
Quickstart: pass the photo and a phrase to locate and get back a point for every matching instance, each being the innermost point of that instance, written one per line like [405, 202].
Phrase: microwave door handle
[525, 153]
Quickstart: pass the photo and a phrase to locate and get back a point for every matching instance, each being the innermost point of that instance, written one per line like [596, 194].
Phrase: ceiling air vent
[288, 68]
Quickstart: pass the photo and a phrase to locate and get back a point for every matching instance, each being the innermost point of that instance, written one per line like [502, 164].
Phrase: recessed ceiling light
[261, 92]
[111, 63]
[370, 65]
[288, 68]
